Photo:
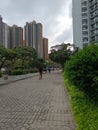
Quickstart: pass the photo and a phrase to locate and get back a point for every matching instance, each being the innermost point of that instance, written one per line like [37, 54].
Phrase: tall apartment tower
[26, 34]
[5, 35]
[45, 49]
[85, 22]
[33, 36]
[1, 31]
[30, 34]
[9, 37]
[15, 36]
[39, 40]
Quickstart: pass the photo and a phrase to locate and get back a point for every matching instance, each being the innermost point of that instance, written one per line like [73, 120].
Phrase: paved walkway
[33, 104]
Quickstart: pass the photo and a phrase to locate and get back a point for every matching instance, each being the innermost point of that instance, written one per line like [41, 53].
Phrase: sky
[55, 16]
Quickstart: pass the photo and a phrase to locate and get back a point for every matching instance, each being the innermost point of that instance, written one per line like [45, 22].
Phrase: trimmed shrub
[18, 72]
[34, 70]
[82, 70]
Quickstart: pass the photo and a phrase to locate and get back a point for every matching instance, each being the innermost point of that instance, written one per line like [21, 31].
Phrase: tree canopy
[18, 56]
[6, 54]
[60, 53]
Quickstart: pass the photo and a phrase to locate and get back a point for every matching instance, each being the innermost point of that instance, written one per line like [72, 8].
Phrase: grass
[84, 110]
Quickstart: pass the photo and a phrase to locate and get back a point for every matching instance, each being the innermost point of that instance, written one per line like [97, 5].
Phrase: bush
[82, 70]
[0, 74]
[34, 70]
[18, 72]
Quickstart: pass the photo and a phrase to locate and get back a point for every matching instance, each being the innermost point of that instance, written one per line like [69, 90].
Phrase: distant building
[45, 49]
[26, 34]
[85, 22]
[30, 34]
[9, 37]
[33, 36]
[16, 36]
[5, 35]
[39, 40]
[1, 31]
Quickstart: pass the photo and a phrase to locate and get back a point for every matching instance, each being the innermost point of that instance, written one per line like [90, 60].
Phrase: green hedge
[18, 72]
[82, 70]
[22, 71]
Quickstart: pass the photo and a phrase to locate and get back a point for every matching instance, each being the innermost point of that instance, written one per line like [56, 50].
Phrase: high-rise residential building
[33, 36]
[20, 33]
[27, 34]
[9, 37]
[1, 31]
[5, 35]
[39, 40]
[85, 22]
[30, 34]
[16, 36]
[45, 49]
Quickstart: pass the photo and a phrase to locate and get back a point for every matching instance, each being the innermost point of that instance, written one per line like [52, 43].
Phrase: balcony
[85, 40]
[94, 15]
[93, 8]
[94, 21]
[84, 28]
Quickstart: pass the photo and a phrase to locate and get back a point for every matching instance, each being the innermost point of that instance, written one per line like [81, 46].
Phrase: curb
[15, 78]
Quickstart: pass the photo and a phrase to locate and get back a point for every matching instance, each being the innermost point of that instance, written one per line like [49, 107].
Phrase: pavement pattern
[33, 104]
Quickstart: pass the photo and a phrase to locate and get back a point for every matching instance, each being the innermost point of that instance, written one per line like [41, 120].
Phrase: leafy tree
[26, 54]
[9, 64]
[60, 53]
[6, 54]
[40, 63]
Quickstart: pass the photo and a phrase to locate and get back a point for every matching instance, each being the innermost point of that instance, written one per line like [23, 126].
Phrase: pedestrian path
[33, 104]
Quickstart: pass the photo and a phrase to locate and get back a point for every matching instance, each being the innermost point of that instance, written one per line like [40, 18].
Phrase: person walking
[40, 72]
[49, 70]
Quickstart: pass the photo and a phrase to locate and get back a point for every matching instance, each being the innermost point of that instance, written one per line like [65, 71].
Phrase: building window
[84, 9]
[85, 39]
[84, 3]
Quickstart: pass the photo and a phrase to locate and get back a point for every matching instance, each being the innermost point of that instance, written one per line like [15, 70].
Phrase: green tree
[12, 56]
[6, 54]
[60, 53]
[40, 63]
[27, 55]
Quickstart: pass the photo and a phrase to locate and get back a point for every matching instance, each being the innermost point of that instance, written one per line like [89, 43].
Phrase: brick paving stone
[33, 104]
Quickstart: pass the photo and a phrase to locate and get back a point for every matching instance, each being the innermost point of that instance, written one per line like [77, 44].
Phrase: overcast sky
[55, 15]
